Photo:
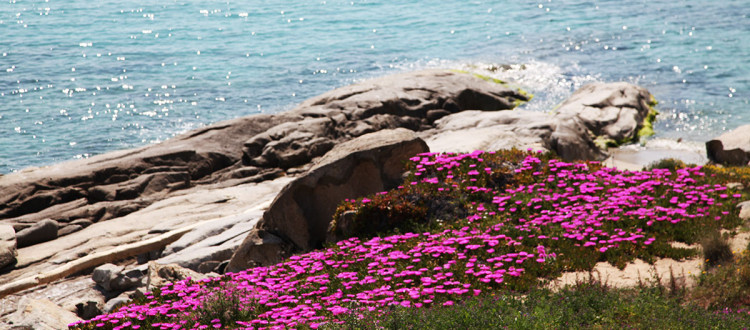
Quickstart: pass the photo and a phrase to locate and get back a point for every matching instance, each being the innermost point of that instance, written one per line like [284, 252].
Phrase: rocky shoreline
[81, 236]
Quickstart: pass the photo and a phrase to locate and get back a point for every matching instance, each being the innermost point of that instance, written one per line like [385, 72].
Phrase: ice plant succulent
[460, 225]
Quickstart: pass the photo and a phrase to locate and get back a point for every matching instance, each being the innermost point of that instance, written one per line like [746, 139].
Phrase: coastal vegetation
[475, 239]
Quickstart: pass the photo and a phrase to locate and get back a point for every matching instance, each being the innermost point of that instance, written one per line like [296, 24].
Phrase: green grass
[586, 305]
[725, 286]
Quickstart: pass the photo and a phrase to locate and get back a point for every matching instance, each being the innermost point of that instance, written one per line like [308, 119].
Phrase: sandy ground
[684, 273]
[636, 157]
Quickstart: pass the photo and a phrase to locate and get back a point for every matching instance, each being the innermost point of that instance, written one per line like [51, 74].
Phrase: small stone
[159, 275]
[115, 303]
[127, 280]
[105, 274]
[735, 186]
[42, 231]
[88, 309]
[7, 254]
[208, 266]
[744, 210]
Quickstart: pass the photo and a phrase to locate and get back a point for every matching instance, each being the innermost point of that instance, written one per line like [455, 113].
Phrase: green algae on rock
[520, 90]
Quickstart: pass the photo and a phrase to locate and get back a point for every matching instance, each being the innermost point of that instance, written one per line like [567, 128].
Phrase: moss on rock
[648, 123]
[520, 90]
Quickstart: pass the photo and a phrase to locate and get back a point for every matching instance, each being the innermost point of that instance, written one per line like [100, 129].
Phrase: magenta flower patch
[494, 224]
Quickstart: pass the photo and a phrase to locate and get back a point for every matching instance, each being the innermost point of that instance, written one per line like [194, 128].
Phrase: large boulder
[411, 94]
[594, 117]
[731, 148]
[614, 113]
[411, 100]
[298, 218]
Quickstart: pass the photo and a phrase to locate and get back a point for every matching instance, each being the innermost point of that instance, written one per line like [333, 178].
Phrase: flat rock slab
[477, 130]
[41, 314]
[192, 207]
[211, 243]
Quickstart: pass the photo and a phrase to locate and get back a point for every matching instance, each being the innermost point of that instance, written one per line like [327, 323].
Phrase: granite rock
[116, 278]
[299, 217]
[8, 245]
[595, 113]
[731, 148]
[41, 314]
[42, 231]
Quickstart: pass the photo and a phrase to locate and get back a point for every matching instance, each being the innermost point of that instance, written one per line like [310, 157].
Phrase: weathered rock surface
[191, 207]
[7, 246]
[118, 183]
[240, 150]
[298, 218]
[204, 248]
[41, 314]
[411, 100]
[475, 130]
[610, 111]
[731, 148]
[603, 112]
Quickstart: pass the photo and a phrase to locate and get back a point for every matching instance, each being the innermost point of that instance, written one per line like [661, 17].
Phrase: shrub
[671, 164]
[727, 286]
[716, 250]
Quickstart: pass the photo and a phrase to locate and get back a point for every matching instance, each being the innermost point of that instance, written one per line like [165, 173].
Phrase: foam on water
[79, 78]
[549, 83]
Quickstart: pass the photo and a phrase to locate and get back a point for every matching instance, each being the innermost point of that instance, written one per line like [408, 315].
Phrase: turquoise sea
[79, 78]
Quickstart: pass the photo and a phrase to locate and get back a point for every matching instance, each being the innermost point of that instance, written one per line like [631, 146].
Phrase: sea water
[80, 78]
